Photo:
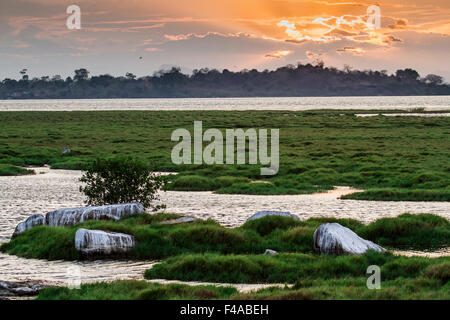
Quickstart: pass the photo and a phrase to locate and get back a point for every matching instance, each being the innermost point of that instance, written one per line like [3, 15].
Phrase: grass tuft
[11, 170]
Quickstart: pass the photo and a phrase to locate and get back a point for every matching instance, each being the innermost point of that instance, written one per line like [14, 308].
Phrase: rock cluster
[14, 289]
[89, 242]
[69, 217]
[329, 238]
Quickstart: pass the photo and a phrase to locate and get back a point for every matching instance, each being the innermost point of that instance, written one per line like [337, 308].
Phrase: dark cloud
[399, 24]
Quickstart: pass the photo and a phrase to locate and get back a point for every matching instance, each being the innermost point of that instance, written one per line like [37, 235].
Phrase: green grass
[424, 287]
[11, 170]
[391, 194]
[314, 278]
[354, 288]
[294, 267]
[136, 290]
[283, 234]
[407, 156]
[409, 230]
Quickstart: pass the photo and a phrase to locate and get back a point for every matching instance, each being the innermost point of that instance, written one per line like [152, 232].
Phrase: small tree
[81, 74]
[434, 79]
[408, 75]
[130, 76]
[121, 180]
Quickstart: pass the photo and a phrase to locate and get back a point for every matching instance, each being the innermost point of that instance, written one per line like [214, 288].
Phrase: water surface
[294, 104]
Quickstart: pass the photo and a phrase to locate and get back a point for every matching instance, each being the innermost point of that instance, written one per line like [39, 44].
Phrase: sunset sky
[142, 36]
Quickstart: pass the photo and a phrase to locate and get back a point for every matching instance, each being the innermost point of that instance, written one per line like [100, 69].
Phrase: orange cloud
[346, 27]
[278, 54]
[354, 50]
[152, 49]
[187, 36]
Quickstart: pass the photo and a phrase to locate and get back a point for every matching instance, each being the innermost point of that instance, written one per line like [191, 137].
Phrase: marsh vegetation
[392, 158]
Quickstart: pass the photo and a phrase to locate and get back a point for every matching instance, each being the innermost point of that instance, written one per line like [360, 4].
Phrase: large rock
[332, 238]
[33, 221]
[28, 288]
[115, 212]
[262, 214]
[97, 242]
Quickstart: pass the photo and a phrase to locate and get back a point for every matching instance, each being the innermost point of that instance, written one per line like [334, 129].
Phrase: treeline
[289, 81]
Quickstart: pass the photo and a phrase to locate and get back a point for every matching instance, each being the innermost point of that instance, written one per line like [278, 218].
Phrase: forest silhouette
[289, 81]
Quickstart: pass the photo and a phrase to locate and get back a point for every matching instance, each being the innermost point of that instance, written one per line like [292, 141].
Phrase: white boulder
[115, 212]
[97, 242]
[332, 238]
[33, 221]
[262, 214]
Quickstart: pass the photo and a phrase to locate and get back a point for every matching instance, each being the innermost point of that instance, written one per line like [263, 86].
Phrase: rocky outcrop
[14, 289]
[33, 221]
[332, 238]
[262, 214]
[97, 242]
[68, 217]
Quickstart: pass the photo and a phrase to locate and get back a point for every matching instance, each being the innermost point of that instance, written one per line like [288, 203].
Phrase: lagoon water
[49, 189]
[430, 103]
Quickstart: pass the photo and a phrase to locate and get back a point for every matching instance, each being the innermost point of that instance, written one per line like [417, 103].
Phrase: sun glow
[355, 28]
[279, 54]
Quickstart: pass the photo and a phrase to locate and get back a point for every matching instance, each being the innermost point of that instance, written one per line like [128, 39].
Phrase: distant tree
[23, 72]
[56, 77]
[433, 79]
[130, 76]
[347, 68]
[407, 75]
[318, 62]
[81, 74]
